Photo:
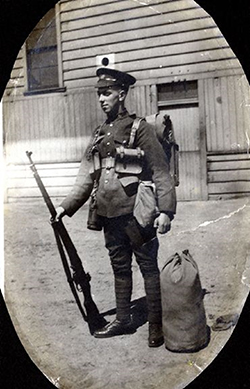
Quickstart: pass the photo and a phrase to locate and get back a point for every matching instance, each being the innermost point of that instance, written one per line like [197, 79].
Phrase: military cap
[110, 77]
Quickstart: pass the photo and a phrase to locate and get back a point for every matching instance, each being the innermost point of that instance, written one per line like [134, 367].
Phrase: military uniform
[113, 198]
[115, 203]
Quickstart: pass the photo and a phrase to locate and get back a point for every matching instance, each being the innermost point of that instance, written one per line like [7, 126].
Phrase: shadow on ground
[138, 310]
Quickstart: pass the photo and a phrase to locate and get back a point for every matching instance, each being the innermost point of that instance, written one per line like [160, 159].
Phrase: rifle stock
[79, 280]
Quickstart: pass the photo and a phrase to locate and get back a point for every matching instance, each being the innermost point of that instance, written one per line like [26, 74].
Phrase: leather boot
[153, 297]
[114, 329]
[123, 323]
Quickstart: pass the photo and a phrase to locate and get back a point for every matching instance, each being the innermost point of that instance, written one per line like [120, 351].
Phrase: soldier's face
[110, 99]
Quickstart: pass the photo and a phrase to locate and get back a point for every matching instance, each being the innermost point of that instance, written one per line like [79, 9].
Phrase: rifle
[79, 280]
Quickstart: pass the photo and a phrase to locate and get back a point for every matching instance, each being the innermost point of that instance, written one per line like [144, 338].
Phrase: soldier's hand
[163, 223]
[60, 212]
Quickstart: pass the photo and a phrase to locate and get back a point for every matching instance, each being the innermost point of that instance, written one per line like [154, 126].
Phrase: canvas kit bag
[183, 313]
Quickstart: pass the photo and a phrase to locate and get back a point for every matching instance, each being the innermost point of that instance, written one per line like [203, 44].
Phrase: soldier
[115, 198]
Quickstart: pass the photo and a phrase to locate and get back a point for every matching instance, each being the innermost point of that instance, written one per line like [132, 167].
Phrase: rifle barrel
[80, 278]
[41, 186]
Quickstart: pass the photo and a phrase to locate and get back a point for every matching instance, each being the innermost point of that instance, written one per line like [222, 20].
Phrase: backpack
[164, 130]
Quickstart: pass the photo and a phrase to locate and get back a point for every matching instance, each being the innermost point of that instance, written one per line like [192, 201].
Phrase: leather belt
[108, 163]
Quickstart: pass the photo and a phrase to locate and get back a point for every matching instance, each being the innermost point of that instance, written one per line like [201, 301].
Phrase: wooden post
[203, 141]
[153, 98]
[59, 44]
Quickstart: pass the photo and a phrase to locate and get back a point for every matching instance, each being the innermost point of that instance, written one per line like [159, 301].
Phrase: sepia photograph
[126, 136]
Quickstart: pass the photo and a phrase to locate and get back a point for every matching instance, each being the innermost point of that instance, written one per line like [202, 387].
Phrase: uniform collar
[120, 115]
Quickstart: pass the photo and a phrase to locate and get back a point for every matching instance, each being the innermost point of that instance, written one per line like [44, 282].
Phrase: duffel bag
[183, 314]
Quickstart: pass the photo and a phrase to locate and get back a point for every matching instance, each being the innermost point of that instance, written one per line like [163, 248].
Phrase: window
[178, 93]
[42, 56]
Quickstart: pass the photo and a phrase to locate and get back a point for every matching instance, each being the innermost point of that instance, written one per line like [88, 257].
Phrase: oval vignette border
[229, 43]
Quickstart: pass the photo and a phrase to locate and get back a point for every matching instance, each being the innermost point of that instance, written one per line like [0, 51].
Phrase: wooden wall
[227, 105]
[177, 38]
[228, 176]
[58, 179]
[166, 41]
[158, 42]
[154, 42]
[57, 127]
[17, 83]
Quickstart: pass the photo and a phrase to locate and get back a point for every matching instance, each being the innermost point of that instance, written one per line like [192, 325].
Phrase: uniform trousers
[123, 238]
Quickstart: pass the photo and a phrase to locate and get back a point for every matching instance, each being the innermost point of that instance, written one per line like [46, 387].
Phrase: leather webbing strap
[134, 129]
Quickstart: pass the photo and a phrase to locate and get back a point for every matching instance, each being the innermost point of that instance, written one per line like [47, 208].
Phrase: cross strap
[134, 129]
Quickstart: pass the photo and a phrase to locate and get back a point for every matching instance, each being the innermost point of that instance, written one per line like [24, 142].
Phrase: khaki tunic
[113, 199]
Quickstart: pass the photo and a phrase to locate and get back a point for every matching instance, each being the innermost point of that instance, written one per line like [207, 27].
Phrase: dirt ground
[51, 328]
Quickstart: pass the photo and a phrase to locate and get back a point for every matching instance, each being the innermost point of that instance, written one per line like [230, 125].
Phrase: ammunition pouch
[128, 166]
[129, 161]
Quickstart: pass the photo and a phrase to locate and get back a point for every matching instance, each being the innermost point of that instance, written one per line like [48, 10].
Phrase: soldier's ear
[122, 95]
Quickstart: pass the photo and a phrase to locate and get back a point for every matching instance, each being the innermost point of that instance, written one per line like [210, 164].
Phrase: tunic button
[108, 133]
[108, 153]
[108, 143]
[111, 124]
[106, 181]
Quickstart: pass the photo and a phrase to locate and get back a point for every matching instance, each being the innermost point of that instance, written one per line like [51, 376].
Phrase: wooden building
[183, 66]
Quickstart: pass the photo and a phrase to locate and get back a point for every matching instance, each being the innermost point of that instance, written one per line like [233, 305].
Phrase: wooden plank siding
[179, 35]
[17, 77]
[58, 179]
[158, 42]
[163, 60]
[177, 38]
[228, 176]
[227, 105]
[119, 11]
[128, 24]
[54, 128]
[58, 128]
[165, 39]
